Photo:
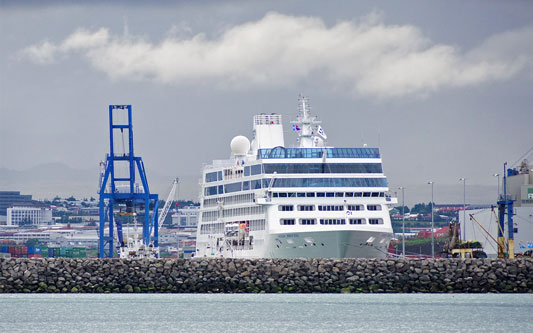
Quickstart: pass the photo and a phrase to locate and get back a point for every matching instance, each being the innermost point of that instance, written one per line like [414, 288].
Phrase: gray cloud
[364, 57]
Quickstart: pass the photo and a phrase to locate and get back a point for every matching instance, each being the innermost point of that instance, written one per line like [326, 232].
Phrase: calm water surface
[266, 313]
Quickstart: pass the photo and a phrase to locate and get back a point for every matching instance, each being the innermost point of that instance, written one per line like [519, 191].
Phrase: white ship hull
[319, 244]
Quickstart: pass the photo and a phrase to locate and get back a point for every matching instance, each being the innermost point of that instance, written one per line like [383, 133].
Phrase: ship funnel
[268, 132]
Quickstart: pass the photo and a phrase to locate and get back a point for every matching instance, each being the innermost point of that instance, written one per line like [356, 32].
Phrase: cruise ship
[306, 201]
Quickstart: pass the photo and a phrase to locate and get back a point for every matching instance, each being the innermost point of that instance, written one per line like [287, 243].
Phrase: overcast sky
[444, 88]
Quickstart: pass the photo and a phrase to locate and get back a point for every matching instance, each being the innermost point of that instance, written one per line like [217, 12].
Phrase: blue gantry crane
[119, 189]
[506, 203]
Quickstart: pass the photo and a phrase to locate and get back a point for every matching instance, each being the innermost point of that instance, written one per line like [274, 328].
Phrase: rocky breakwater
[266, 275]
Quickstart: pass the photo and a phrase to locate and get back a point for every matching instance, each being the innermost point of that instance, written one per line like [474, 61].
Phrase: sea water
[266, 312]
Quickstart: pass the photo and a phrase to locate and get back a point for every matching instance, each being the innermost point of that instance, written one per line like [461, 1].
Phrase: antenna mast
[305, 123]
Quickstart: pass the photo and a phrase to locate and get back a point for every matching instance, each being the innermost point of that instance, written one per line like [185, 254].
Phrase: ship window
[275, 194]
[332, 221]
[286, 208]
[256, 169]
[246, 170]
[255, 184]
[320, 194]
[234, 187]
[375, 194]
[355, 207]
[211, 177]
[286, 222]
[282, 195]
[300, 195]
[330, 194]
[245, 186]
[358, 194]
[291, 194]
[211, 190]
[375, 221]
[330, 208]
[366, 194]
[310, 194]
[307, 221]
[339, 194]
[373, 207]
[348, 194]
[357, 221]
[306, 208]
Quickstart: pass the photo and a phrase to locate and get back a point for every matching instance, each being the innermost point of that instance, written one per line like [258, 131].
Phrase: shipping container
[5, 249]
[44, 251]
[24, 250]
[51, 252]
[34, 249]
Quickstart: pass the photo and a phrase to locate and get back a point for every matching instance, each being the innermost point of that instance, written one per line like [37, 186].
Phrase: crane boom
[169, 202]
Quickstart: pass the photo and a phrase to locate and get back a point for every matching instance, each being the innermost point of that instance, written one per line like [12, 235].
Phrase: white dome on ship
[240, 145]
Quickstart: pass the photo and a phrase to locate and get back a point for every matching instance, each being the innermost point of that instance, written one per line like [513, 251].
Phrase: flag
[295, 128]
[321, 132]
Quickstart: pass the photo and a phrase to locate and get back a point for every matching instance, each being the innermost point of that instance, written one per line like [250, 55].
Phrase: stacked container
[42, 252]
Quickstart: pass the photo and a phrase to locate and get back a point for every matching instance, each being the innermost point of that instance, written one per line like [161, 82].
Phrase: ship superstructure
[312, 200]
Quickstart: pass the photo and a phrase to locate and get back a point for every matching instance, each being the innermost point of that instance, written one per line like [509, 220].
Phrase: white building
[186, 216]
[27, 215]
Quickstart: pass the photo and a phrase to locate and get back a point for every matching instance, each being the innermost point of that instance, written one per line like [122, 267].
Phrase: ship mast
[304, 125]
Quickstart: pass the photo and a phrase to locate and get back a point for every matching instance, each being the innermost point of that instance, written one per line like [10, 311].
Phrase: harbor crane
[166, 208]
[120, 190]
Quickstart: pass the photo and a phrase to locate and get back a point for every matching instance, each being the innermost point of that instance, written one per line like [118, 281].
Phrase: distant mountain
[51, 179]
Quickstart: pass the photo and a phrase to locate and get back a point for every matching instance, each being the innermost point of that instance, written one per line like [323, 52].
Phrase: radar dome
[240, 145]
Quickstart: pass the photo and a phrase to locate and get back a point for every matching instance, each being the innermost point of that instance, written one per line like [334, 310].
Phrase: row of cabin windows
[305, 182]
[213, 215]
[328, 194]
[282, 152]
[230, 200]
[218, 227]
[258, 184]
[308, 221]
[294, 168]
[328, 208]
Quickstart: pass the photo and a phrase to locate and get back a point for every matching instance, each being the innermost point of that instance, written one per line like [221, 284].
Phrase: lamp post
[403, 220]
[464, 208]
[498, 175]
[432, 222]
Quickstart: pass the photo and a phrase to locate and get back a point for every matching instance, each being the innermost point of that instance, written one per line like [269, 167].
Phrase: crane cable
[521, 157]
[473, 218]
